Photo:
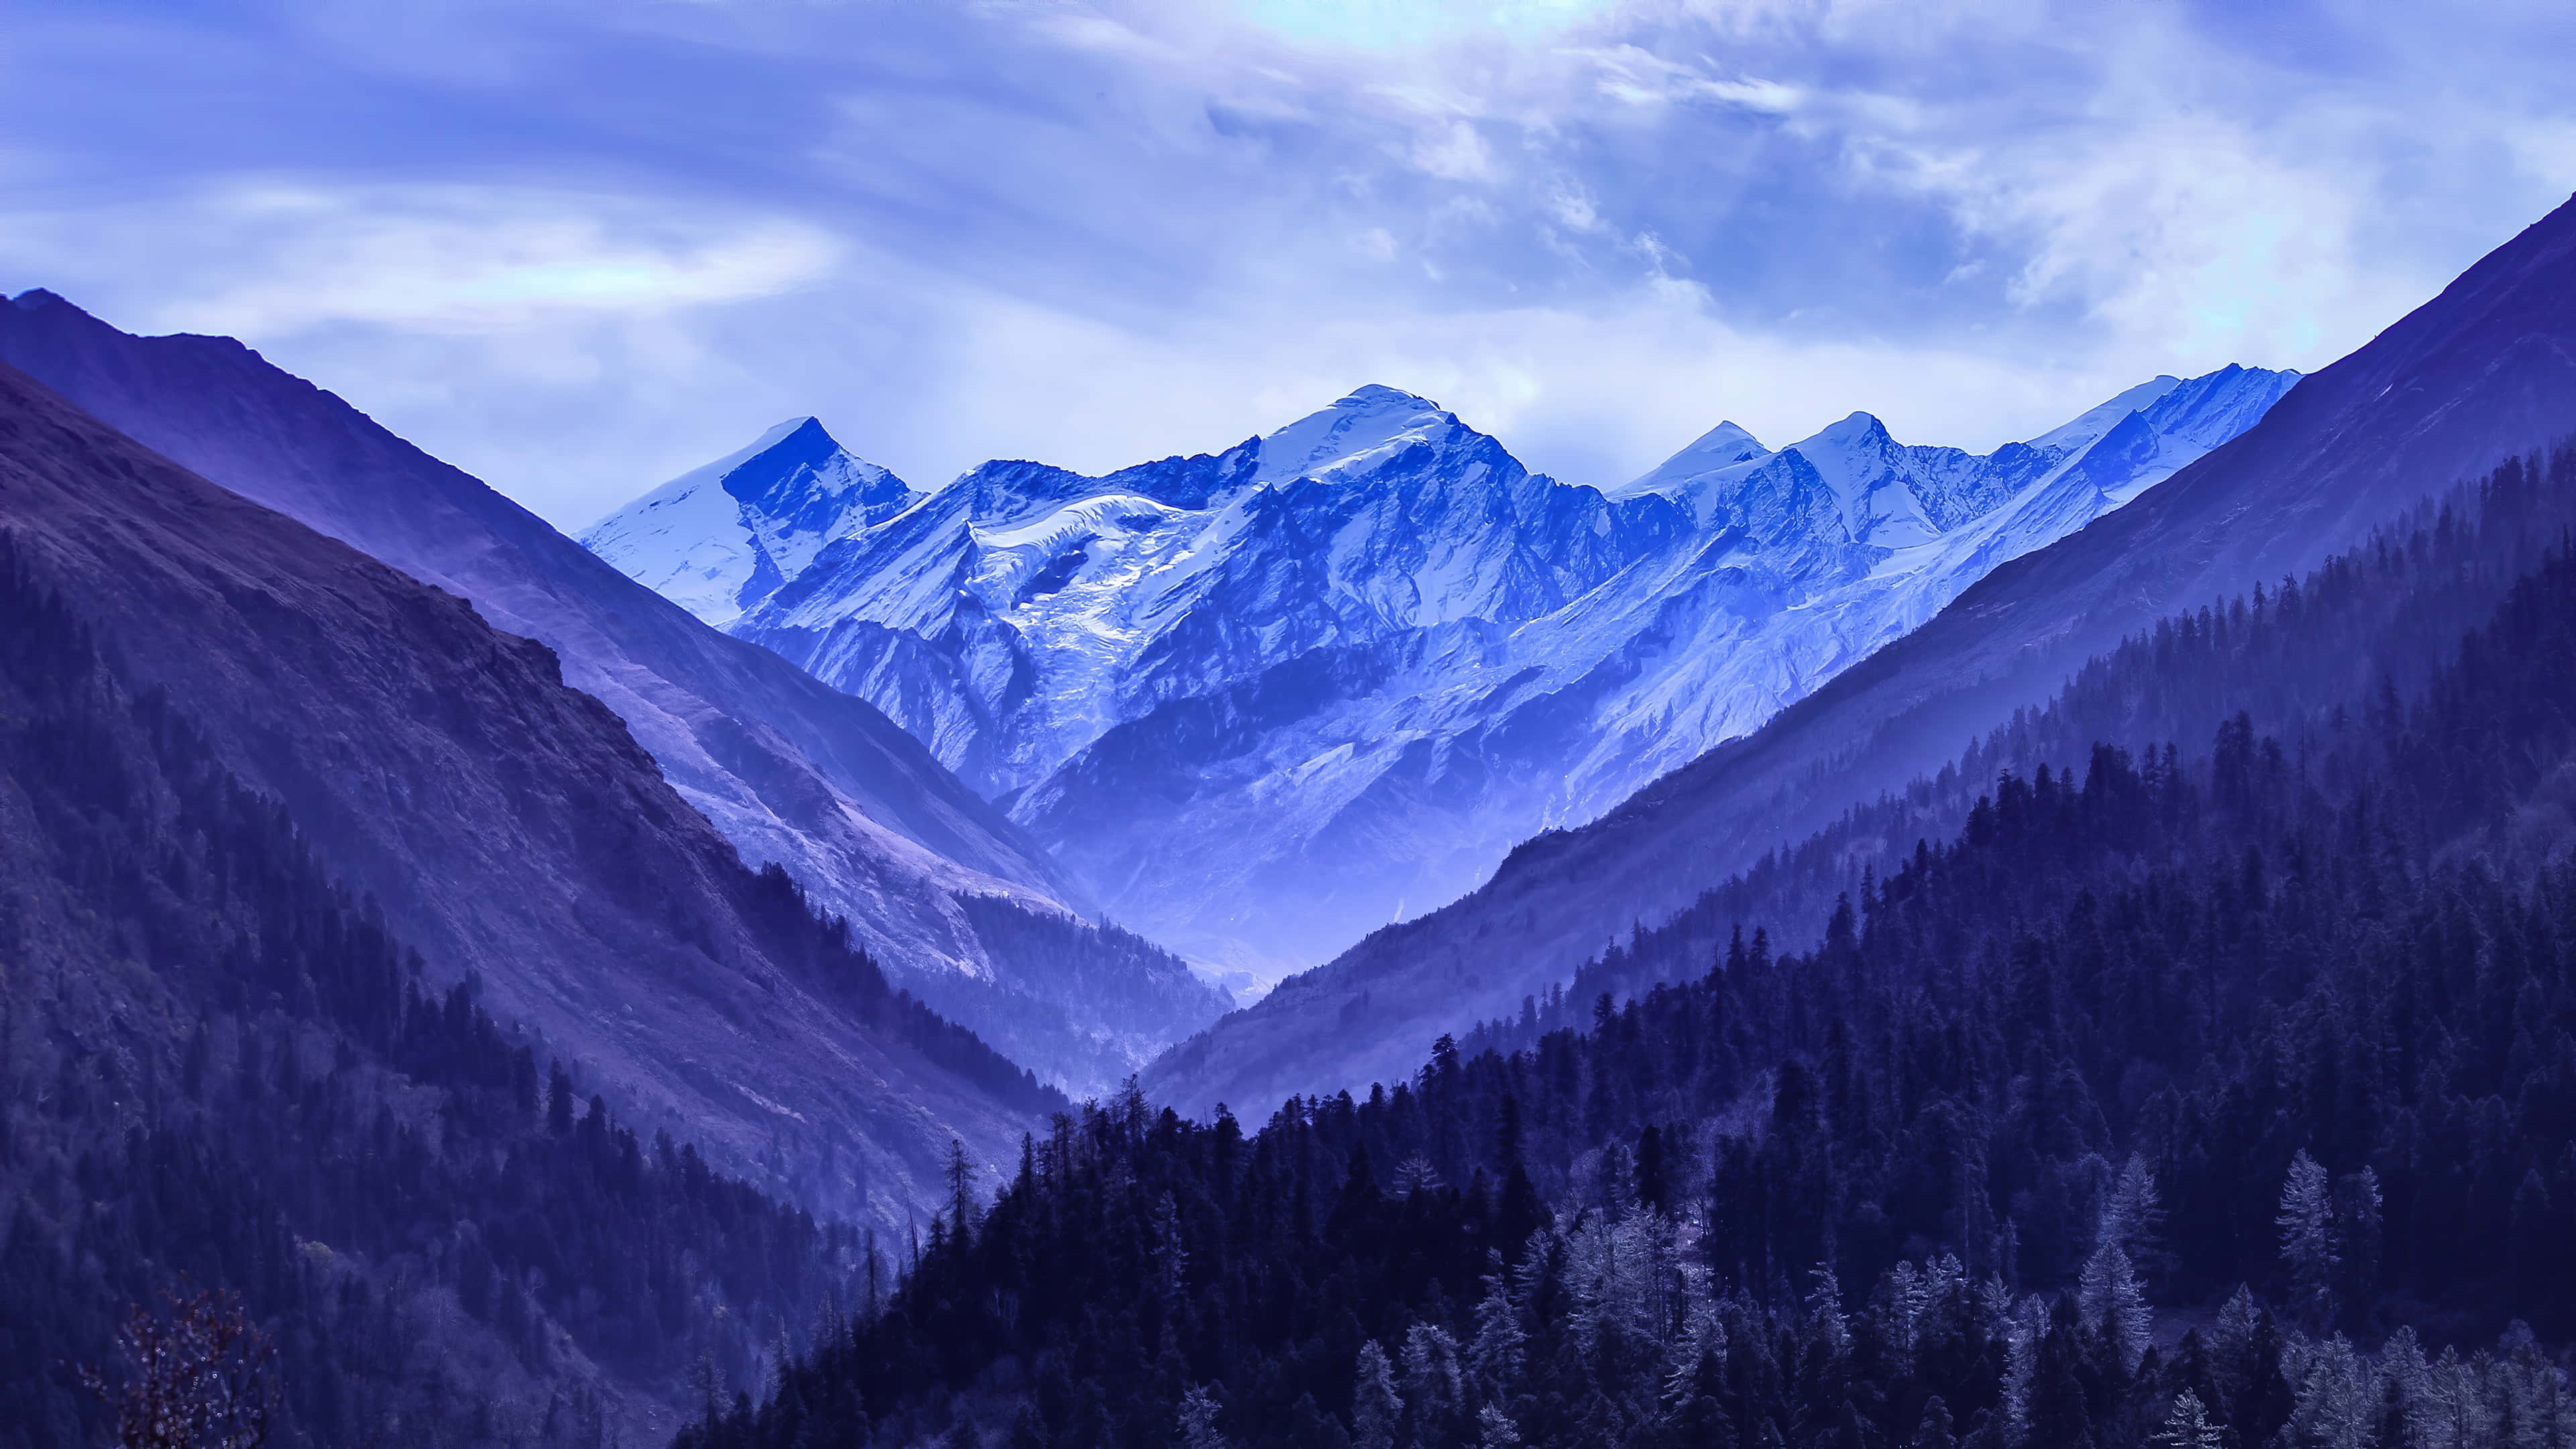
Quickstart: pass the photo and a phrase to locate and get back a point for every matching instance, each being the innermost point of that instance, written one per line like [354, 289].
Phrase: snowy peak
[719, 539]
[1880, 497]
[1720, 447]
[796, 466]
[1895, 496]
[2090, 426]
[1356, 435]
[1700, 474]
[2212, 409]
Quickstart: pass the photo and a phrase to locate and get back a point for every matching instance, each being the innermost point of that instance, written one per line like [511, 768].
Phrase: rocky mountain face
[720, 539]
[2483, 372]
[508, 826]
[1265, 701]
[960, 904]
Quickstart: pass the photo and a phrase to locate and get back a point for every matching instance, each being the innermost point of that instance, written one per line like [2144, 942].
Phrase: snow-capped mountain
[1813, 557]
[1266, 700]
[720, 539]
[1018, 615]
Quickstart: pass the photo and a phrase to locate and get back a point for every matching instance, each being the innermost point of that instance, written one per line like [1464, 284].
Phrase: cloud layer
[578, 248]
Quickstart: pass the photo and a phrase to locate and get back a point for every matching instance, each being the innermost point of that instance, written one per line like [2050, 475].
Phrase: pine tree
[2307, 1229]
[1199, 1410]
[2188, 1426]
[2115, 1306]
[2132, 1216]
[961, 1191]
[1654, 1180]
[1376, 1408]
[1495, 1352]
[1171, 1253]
[2359, 1237]
[1432, 1385]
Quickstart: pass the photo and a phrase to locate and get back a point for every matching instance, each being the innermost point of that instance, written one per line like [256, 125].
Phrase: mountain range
[507, 967]
[958, 903]
[1263, 701]
[2482, 373]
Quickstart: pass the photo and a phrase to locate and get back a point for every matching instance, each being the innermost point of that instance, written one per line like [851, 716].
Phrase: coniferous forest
[217, 1068]
[2207, 1090]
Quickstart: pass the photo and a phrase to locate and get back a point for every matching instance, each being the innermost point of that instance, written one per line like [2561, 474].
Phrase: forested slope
[213, 1062]
[2367, 623]
[2266, 1033]
[510, 826]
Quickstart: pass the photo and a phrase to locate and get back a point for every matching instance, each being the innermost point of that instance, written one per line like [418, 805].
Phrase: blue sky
[578, 247]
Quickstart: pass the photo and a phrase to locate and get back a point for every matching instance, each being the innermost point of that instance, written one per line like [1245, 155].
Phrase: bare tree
[205, 1376]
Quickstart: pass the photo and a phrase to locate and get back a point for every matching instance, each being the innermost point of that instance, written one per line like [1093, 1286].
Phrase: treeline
[213, 1063]
[2277, 1037]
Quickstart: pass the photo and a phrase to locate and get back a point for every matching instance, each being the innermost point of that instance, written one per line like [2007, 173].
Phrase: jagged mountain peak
[2091, 424]
[780, 432]
[1362, 431]
[1728, 442]
[720, 538]
[1858, 428]
[1695, 476]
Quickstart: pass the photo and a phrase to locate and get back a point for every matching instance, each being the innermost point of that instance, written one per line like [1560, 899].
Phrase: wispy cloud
[578, 248]
[274, 257]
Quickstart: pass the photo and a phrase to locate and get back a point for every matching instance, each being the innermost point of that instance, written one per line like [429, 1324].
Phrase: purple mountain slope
[509, 826]
[2484, 371]
[954, 898]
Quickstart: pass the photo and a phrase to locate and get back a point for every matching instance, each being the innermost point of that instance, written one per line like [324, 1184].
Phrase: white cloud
[1093, 231]
[267, 258]
[1455, 152]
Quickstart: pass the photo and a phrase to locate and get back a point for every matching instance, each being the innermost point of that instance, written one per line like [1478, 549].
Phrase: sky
[581, 246]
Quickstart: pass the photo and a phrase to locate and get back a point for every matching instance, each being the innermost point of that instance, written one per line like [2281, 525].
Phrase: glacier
[1263, 701]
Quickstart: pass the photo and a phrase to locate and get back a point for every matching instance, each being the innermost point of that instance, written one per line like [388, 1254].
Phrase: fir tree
[2188, 1426]
[2306, 1222]
[1199, 1410]
[1377, 1410]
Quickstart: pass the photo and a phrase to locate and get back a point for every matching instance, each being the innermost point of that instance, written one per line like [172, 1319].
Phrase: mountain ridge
[1264, 700]
[2485, 370]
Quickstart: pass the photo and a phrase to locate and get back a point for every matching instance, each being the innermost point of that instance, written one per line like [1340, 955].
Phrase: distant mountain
[1264, 701]
[506, 826]
[956, 901]
[2483, 372]
[720, 539]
